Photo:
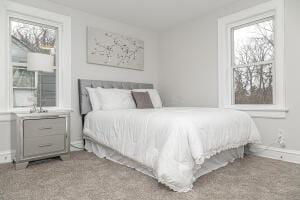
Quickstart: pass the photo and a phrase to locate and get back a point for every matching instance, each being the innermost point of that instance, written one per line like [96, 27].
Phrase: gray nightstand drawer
[44, 145]
[44, 127]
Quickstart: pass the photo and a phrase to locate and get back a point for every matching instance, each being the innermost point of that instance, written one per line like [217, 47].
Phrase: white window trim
[271, 8]
[10, 9]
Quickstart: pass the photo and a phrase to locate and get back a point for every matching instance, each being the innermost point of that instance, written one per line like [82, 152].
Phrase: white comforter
[171, 141]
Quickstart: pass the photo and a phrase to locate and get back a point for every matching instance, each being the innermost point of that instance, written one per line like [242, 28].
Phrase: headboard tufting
[84, 101]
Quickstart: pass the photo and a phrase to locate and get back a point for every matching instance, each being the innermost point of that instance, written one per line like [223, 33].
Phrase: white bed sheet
[215, 162]
[172, 142]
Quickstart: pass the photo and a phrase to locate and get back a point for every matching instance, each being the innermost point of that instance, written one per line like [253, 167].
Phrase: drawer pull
[45, 128]
[46, 145]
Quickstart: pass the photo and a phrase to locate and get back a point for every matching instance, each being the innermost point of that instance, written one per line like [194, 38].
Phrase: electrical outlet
[280, 138]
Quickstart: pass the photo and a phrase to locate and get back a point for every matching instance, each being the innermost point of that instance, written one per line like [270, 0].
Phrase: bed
[173, 145]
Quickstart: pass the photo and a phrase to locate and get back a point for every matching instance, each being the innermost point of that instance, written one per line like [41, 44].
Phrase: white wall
[188, 73]
[80, 68]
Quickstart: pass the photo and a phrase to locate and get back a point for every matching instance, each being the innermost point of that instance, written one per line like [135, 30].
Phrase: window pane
[48, 89]
[23, 78]
[31, 37]
[253, 43]
[253, 85]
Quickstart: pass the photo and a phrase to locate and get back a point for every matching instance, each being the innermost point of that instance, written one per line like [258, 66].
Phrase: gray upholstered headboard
[84, 101]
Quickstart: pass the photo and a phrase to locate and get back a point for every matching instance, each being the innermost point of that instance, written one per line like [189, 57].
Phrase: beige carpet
[87, 177]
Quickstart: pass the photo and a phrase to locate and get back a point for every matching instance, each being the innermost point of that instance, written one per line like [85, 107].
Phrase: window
[28, 29]
[28, 36]
[251, 75]
[252, 62]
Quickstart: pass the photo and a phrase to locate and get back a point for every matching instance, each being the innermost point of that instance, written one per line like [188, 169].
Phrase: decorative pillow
[94, 98]
[114, 99]
[154, 96]
[142, 100]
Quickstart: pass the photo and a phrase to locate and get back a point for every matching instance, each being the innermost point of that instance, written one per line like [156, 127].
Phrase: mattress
[171, 142]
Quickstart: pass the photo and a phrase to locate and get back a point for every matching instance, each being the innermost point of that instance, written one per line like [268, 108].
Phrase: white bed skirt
[215, 162]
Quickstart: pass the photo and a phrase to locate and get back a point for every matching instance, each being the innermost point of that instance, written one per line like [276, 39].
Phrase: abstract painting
[112, 49]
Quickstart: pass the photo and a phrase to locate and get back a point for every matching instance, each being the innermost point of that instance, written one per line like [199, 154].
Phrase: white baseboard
[78, 144]
[6, 156]
[275, 153]
[258, 150]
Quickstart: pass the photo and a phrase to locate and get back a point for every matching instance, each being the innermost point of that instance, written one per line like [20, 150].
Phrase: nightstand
[38, 136]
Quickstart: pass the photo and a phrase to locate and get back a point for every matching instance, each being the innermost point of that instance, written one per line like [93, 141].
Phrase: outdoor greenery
[254, 63]
[36, 38]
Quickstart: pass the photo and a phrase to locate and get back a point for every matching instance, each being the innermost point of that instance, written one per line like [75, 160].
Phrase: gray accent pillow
[142, 100]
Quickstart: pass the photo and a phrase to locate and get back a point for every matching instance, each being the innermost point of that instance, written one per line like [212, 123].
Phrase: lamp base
[41, 110]
[33, 110]
[38, 110]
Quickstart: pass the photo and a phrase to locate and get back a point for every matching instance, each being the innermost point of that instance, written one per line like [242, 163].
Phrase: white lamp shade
[40, 62]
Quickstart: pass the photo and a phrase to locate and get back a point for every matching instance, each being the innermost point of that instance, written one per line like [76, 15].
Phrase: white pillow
[114, 99]
[154, 96]
[94, 98]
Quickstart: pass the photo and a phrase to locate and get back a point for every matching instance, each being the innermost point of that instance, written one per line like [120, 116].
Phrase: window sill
[272, 113]
[27, 110]
[7, 116]
[50, 109]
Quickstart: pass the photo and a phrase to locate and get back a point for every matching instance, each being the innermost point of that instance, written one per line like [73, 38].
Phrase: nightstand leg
[65, 157]
[22, 165]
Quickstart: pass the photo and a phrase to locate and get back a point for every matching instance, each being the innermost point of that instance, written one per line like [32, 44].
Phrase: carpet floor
[86, 177]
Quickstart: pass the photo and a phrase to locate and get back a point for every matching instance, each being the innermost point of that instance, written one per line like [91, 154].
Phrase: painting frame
[111, 49]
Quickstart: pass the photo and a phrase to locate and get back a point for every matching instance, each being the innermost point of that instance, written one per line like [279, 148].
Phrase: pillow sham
[114, 99]
[154, 96]
[142, 100]
[94, 98]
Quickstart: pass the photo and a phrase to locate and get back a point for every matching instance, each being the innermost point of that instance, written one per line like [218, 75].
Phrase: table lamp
[39, 62]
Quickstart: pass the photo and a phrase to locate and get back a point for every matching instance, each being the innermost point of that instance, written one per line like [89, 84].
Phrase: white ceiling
[151, 14]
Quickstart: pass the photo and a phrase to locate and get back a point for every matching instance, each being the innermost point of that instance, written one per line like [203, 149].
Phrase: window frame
[63, 23]
[12, 16]
[242, 24]
[275, 9]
